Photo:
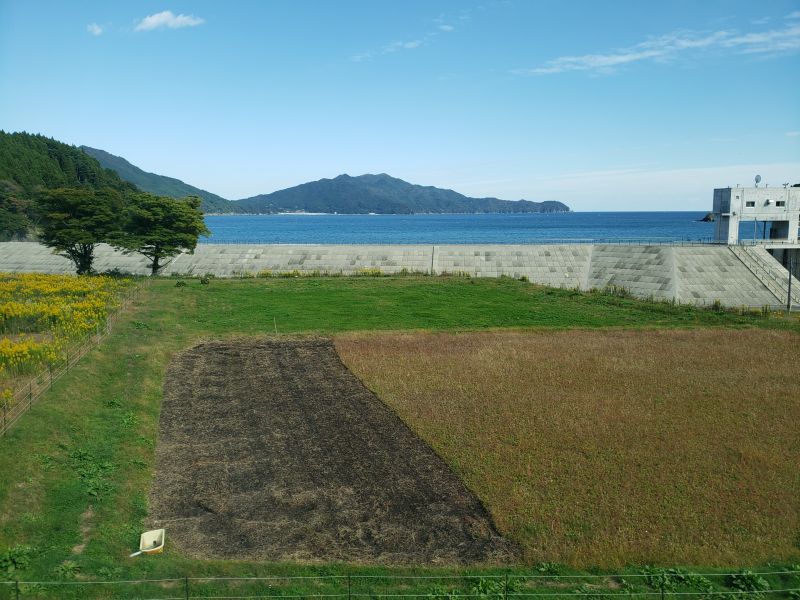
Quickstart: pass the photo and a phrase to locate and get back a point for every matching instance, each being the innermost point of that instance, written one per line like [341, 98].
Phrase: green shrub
[93, 473]
[69, 569]
[747, 581]
[13, 560]
[548, 568]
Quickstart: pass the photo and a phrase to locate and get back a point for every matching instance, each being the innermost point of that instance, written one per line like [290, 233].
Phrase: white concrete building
[773, 212]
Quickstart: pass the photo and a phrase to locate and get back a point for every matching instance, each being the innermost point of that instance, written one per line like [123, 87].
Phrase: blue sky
[602, 105]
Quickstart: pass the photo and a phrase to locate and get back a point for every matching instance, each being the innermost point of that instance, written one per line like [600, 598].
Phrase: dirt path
[272, 449]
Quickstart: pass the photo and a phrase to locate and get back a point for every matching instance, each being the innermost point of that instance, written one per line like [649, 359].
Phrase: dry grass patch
[610, 448]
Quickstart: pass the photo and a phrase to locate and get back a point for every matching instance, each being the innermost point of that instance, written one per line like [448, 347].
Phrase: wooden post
[186, 587]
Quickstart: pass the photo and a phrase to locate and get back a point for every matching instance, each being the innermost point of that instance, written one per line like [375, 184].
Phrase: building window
[780, 203]
[737, 197]
[750, 203]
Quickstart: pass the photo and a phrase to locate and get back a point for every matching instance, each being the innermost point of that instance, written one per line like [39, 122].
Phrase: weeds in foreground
[41, 316]
[747, 581]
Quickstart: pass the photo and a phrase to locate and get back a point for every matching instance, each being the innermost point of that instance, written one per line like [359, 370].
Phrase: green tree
[75, 221]
[17, 212]
[160, 227]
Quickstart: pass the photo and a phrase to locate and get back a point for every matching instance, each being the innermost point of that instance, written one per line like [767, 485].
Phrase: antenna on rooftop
[758, 180]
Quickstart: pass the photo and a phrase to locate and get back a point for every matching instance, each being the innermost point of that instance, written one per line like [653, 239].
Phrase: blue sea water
[458, 229]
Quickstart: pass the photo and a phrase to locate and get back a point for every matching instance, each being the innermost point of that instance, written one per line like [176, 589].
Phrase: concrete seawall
[699, 274]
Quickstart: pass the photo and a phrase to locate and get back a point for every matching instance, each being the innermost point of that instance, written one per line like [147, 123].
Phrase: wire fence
[30, 390]
[660, 584]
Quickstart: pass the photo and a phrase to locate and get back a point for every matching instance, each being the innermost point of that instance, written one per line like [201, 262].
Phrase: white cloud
[94, 29]
[395, 46]
[761, 21]
[441, 26]
[387, 49]
[671, 46]
[793, 134]
[794, 15]
[168, 19]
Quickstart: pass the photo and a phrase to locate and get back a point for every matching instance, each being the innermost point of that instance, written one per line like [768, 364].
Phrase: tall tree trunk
[83, 257]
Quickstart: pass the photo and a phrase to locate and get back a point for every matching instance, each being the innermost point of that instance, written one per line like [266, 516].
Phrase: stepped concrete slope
[646, 271]
[29, 257]
[769, 271]
[237, 259]
[689, 274]
[708, 273]
[557, 265]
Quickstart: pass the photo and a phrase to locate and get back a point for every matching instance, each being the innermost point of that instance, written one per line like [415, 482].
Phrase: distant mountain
[383, 194]
[344, 194]
[159, 184]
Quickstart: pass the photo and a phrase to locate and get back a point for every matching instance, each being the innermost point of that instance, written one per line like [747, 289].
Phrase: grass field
[76, 471]
[610, 448]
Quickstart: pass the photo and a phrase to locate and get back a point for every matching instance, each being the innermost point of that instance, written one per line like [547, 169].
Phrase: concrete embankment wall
[689, 274]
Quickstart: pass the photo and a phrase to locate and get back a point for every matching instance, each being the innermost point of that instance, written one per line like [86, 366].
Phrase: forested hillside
[30, 163]
[159, 184]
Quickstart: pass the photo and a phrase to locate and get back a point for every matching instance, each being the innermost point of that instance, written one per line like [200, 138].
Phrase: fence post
[505, 589]
[16, 588]
[186, 587]
[30, 393]
[349, 595]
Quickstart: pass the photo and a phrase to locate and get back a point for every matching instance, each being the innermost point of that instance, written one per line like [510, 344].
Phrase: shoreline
[432, 214]
[338, 214]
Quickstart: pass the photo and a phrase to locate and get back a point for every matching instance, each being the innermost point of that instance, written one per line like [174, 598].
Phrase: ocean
[459, 229]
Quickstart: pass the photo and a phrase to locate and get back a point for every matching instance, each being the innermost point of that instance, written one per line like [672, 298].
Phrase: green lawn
[330, 305]
[90, 441]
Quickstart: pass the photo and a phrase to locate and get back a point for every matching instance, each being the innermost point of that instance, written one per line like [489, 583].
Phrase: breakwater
[696, 274]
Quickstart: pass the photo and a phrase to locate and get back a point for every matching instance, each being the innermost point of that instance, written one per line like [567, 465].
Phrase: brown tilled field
[271, 449]
[610, 448]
